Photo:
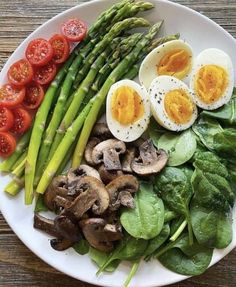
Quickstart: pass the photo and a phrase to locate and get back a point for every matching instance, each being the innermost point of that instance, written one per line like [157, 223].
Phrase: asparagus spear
[90, 112]
[100, 98]
[15, 186]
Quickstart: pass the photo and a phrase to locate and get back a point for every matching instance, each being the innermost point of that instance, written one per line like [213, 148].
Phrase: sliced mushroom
[128, 158]
[113, 232]
[75, 174]
[118, 191]
[61, 244]
[101, 131]
[89, 149]
[68, 229]
[61, 202]
[95, 233]
[150, 160]
[45, 224]
[108, 175]
[58, 187]
[92, 194]
[108, 152]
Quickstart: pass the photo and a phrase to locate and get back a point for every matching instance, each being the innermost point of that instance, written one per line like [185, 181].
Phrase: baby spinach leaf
[40, 205]
[147, 218]
[155, 131]
[100, 258]
[81, 247]
[184, 259]
[224, 144]
[157, 241]
[210, 182]
[174, 187]
[179, 146]
[211, 227]
[169, 214]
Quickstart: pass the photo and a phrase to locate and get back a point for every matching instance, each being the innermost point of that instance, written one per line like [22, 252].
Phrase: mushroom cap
[119, 188]
[102, 131]
[44, 224]
[61, 244]
[128, 158]
[108, 152]
[68, 229]
[89, 149]
[150, 160]
[108, 175]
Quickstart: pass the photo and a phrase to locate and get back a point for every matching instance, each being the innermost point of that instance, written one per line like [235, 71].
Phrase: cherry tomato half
[7, 144]
[6, 119]
[44, 75]
[11, 96]
[20, 73]
[74, 30]
[61, 48]
[33, 96]
[22, 121]
[39, 52]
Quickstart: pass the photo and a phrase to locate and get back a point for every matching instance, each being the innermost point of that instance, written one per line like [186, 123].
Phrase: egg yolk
[127, 105]
[178, 106]
[211, 83]
[175, 63]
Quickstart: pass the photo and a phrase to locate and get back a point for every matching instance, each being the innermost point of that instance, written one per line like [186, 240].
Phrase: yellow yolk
[175, 63]
[178, 106]
[127, 106]
[211, 83]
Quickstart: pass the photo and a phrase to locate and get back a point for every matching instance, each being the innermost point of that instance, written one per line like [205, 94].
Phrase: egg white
[213, 57]
[158, 89]
[148, 69]
[130, 132]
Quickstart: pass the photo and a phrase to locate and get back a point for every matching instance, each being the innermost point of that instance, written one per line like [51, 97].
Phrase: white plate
[201, 33]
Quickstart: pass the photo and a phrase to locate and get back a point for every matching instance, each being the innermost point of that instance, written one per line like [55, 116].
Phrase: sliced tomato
[6, 119]
[33, 96]
[74, 30]
[7, 144]
[39, 52]
[44, 75]
[11, 96]
[22, 121]
[61, 48]
[20, 73]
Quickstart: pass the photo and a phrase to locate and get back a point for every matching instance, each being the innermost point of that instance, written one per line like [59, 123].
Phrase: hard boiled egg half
[172, 103]
[212, 79]
[174, 58]
[127, 110]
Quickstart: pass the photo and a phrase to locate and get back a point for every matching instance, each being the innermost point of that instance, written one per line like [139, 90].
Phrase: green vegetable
[133, 271]
[40, 205]
[156, 242]
[155, 131]
[177, 227]
[147, 218]
[225, 144]
[81, 247]
[180, 147]
[15, 186]
[210, 182]
[174, 187]
[184, 259]
[100, 258]
[211, 227]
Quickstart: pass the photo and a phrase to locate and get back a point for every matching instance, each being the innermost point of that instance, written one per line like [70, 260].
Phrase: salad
[131, 170]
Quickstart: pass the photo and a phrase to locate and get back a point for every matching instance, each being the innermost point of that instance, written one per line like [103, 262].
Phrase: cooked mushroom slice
[45, 224]
[100, 239]
[75, 174]
[57, 187]
[92, 194]
[119, 188]
[128, 158]
[61, 244]
[68, 229]
[108, 152]
[61, 202]
[108, 175]
[113, 232]
[150, 160]
[89, 149]
[101, 131]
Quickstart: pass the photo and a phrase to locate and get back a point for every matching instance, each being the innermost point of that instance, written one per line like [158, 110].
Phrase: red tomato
[39, 52]
[61, 48]
[33, 96]
[22, 121]
[6, 119]
[20, 73]
[7, 144]
[74, 30]
[44, 75]
[11, 96]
